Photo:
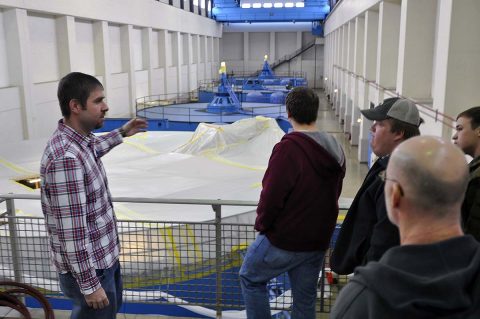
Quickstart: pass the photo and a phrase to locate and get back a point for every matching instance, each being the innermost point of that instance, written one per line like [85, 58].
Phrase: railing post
[218, 260]
[12, 228]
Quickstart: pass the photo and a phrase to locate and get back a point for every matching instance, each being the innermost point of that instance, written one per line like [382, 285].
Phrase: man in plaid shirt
[76, 201]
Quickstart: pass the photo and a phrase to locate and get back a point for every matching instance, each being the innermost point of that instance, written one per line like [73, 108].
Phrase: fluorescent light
[299, 4]
[278, 5]
[267, 5]
[246, 5]
[288, 4]
[34, 180]
[257, 5]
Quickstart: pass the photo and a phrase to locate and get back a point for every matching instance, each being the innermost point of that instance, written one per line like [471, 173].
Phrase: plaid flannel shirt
[77, 206]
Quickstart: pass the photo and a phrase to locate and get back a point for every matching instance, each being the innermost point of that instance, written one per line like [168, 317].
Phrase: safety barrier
[193, 265]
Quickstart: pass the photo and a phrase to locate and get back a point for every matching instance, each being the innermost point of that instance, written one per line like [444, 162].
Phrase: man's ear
[399, 136]
[396, 195]
[74, 106]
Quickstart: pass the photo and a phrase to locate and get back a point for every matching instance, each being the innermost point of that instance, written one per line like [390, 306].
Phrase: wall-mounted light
[268, 5]
[257, 5]
[289, 4]
[326, 79]
[278, 5]
[359, 120]
[299, 4]
[335, 91]
[246, 5]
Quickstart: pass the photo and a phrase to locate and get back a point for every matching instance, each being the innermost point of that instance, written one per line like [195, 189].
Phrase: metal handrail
[218, 242]
[159, 200]
[438, 116]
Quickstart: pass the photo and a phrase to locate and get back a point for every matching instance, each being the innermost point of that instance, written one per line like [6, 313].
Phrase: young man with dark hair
[297, 211]
[366, 232]
[435, 272]
[76, 201]
[467, 137]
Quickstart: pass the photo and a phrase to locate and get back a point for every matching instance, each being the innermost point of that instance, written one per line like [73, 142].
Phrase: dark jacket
[366, 232]
[298, 205]
[440, 280]
[471, 204]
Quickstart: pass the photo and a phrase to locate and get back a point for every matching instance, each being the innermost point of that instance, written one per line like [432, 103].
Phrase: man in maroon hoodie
[297, 211]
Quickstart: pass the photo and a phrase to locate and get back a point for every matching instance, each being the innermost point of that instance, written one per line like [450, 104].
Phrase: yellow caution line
[256, 185]
[222, 160]
[139, 136]
[191, 236]
[176, 254]
[142, 148]
[16, 168]
[124, 212]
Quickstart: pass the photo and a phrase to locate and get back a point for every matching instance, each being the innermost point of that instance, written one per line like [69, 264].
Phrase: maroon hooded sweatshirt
[298, 205]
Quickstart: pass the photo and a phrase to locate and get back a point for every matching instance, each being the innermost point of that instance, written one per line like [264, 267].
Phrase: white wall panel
[4, 78]
[138, 63]
[141, 78]
[193, 76]
[158, 81]
[44, 50]
[155, 53]
[46, 111]
[119, 96]
[11, 126]
[115, 49]
[84, 48]
[285, 43]
[232, 46]
[172, 80]
[259, 45]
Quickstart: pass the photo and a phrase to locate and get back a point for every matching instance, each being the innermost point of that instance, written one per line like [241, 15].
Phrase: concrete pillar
[66, 38]
[177, 39]
[17, 36]
[387, 50]
[358, 70]
[102, 53]
[457, 51]
[369, 73]
[205, 54]
[415, 52]
[246, 52]
[349, 59]
[196, 47]
[189, 52]
[126, 34]
[147, 52]
[163, 52]
[273, 56]
[370, 46]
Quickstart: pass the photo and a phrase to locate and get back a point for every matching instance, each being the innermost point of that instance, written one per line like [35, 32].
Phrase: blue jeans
[111, 281]
[264, 262]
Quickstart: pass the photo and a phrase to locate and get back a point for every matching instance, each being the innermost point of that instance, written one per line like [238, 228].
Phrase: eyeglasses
[384, 178]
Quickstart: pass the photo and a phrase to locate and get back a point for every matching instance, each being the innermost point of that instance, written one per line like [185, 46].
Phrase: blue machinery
[222, 103]
[225, 100]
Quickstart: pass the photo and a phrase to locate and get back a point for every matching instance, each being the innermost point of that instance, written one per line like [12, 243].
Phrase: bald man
[435, 272]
